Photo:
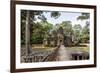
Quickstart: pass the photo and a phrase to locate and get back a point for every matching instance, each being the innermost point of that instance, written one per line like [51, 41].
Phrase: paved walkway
[64, 54]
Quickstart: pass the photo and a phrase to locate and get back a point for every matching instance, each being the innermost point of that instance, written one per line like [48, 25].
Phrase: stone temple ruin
[58, 39]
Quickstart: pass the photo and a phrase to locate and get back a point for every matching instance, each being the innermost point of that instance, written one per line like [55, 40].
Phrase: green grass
[82, 49]
[74, 48]
[41, 47]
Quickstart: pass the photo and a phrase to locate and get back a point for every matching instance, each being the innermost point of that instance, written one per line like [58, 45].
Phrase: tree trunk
[27, 33]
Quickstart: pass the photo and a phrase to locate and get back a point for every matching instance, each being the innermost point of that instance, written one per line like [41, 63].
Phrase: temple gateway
[58, 39]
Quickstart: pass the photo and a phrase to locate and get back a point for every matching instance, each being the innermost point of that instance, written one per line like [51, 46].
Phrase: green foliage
[36, 39]
[67, 27]
[32, 18]
[40, 30]
[77, 29]
[85, 31]
[85, 34]
[84, 16]
[55, 14]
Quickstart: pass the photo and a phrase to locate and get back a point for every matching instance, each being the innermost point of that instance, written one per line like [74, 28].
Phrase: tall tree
[77, 29]
[67, 27]
[85, 33]
[27, 19]
[85, 30]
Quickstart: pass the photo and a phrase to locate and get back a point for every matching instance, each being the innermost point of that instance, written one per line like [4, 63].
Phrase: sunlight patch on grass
[41, 47]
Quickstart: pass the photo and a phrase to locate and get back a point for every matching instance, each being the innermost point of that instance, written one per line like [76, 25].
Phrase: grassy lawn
[74, 48]
[81, 49]
[41, 47]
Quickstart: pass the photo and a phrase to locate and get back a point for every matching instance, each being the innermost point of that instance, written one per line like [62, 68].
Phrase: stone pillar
[45, 42]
